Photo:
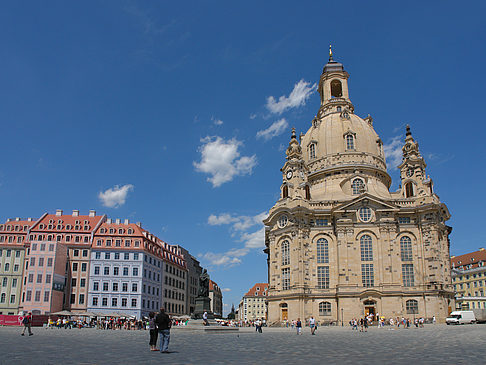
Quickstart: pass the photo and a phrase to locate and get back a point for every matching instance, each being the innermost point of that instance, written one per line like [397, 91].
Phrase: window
[285, 191]
[307, 192]
[128, 243]
[4, 281]
[134, 302]
[105, 286]
[81, 299]
[76, 252]
[134, 287]
[37, 296]
[406, 248]
[409, 190]
[366, 245]
[84, 266]
[286, 278]
[16, 267]
[49, 262]
[321, 222]
[118, 243]
[48, 278]
[94, 301]
[367, 276]
[39, 278]
[124, 302]
[75, 266]
[73, 282]
[323, 277]
[82, 283]
[116, 269]
[357, 186]
[14, 283]
[115, 286]
[324, 309]
[322, 251]
[126, 256]
[125, 287]
[29, 295]
[96, 286]
[365, 214]
[312, 151]
[32, 260]
[135, 271]
[135, 256]
[411, 306]
[403, 220]
[349, 142]
[104, 302]
[285, 253]
[125, 271]
[107, 255]
[97, 270]
[7, 266]
[107, 270]
[407, 275]
[98, 243]
[336, 89]
[85, 253]
[31, 278]
[108, 242]
[282, 221]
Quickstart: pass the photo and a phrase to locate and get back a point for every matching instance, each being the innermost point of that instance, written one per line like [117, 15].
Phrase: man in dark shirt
[163, 322]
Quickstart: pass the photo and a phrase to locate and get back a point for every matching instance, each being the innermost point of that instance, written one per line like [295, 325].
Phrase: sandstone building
[469, 280]
[339, 243]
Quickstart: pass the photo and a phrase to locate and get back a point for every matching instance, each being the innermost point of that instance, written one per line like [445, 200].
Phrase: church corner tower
[339, 244]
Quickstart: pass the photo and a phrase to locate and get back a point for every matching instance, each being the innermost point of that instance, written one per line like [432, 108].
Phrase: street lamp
[342, 318]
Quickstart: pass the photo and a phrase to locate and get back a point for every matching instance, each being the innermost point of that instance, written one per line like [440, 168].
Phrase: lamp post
[342, 318]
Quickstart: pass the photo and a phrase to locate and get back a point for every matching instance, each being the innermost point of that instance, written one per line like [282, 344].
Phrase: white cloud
[276, 129]
[240, 224]
[115, 197]
[253, 116]
[299, 95]
[222, 161]
[216, 121]
[393, 152]
[225, 290]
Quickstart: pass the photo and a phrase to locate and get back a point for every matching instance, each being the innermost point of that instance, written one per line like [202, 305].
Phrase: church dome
[342, 138]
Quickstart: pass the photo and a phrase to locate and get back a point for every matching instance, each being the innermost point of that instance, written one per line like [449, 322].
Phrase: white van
[461, 317]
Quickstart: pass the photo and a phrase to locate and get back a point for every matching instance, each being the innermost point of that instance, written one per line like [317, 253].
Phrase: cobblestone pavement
[434, 344]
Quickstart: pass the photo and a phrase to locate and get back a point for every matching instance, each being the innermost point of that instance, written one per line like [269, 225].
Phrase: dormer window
[349, 142]
[312, 151]
[358, 186]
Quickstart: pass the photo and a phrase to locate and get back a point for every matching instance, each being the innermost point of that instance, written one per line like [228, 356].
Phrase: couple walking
[159, 325]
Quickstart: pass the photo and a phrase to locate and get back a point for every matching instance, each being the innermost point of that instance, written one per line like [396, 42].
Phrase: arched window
[307, 192]
[366, 244]
[336, 89]
[358, 186]
[285, 253]
[285, 192]
[312, 151]
[349, 142]
[322, 251]
[406, 248]
[324, 309]
[412, 306]
[409, 190]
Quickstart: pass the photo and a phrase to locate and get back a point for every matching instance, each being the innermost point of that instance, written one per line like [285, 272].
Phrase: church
[339, 243]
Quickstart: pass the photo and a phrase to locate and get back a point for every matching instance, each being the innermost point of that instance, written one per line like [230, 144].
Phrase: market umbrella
[64, 313]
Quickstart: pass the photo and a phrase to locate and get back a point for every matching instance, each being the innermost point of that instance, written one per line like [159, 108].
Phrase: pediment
[366, 200]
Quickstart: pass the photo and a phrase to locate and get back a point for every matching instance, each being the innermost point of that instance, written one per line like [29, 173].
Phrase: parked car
[461, 317]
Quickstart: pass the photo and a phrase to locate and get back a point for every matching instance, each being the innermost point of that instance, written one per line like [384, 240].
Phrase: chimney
[17, 219]
[92, 213]
[59, 212]
[9, 219]
[127, 221]
[75, 213]
[139, 224]
[108, 221]
[117, 221]
[481, 249]
[29, 219]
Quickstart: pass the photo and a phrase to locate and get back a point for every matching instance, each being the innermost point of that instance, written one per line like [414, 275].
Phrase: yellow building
[469, 280]
[340, 244]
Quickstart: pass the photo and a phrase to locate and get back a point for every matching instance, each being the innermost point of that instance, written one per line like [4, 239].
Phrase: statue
[203, 284]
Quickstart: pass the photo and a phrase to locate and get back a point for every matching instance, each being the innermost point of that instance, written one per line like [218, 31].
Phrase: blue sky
[177, 114]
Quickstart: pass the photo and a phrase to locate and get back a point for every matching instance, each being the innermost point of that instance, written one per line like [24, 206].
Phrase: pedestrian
[153, 332]
[433, 320]
[312, 325]
[298, 324]
[27, 322]
[365, 323]
[258, 326]
[163, 323]
[205, 318]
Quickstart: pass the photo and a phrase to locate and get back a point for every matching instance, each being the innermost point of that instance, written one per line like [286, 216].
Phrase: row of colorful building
[93, 263]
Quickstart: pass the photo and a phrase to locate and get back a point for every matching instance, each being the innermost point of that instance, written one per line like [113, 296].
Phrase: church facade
[339, 243]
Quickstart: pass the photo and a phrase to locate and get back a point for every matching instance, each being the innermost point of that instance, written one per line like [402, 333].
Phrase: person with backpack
[27, 322]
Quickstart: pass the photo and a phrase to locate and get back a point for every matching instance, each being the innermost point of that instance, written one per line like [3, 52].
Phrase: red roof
[213, 286]
[258, 290]
[67, 223]
[469, 260]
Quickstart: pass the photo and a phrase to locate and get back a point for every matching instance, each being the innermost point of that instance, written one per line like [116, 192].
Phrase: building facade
[90, 262]
[253, 305]
[216, 299]
[340, 244]
[194, 270]
[469, 280]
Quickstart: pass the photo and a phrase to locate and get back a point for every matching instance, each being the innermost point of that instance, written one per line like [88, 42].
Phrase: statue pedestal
[203, 304]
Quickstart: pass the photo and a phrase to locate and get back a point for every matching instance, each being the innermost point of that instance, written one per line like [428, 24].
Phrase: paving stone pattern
[434, 344]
